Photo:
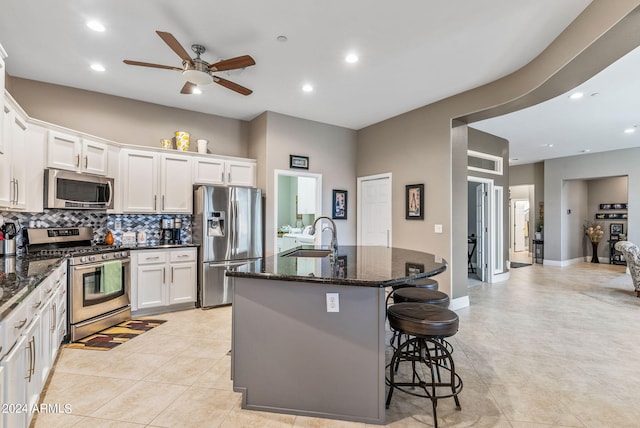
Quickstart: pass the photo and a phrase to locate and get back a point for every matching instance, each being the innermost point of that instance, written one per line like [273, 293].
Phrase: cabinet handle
[77, 161]
[172, 274]
[155, 202]
[164, 277]
[222, 177]
[33, 361]
[54, 314]
[49, 290]
[183, 255]
[17, 191]
[20, 324]
[86, 162]
[162, 202]
[13, 191]
[37, 305]
[229, 176]
[153, 258]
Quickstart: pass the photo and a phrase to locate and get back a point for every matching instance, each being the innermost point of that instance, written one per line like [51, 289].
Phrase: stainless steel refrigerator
[227, 224]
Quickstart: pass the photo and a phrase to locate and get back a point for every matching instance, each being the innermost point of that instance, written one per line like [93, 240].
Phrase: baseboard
[459, 303]
[499, 277]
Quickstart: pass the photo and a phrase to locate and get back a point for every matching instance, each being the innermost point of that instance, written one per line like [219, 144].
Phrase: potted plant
[594, 231]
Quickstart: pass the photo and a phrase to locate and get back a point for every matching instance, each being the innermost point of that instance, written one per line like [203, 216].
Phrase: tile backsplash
[100, 221]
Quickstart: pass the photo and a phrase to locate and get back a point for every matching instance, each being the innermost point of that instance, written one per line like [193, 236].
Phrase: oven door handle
[92, 266]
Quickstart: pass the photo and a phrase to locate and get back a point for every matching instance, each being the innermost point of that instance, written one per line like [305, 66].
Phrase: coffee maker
[166, 231]
[170, 231]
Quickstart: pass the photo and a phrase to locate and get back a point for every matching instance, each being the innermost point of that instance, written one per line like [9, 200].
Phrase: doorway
[298, 197]
[520, 227]
[374, 210]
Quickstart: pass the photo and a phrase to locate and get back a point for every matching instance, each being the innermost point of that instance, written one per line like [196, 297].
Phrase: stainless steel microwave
[71, 190]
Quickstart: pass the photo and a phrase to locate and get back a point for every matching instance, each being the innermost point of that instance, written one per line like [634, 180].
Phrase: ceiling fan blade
[233, 63]
[188, 88]
[148, 64]
[174, 45]
[233, 86]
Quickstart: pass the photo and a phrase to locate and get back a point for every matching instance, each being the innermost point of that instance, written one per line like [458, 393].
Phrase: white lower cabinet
[163, 279]
[28, 335]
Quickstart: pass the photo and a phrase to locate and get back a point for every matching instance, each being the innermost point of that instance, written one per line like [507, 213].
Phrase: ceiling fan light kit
[198, 72]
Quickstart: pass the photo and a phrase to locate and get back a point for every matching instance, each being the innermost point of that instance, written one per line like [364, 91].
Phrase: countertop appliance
[227, 223]
[71, 190]
[98, 277]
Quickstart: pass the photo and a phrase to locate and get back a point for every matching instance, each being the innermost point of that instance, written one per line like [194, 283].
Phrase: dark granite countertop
[361, 266]
[19, 275]
[161, 246]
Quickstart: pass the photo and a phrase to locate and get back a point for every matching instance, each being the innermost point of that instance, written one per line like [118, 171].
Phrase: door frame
[495, 269]
[388, 176]
[288, 173]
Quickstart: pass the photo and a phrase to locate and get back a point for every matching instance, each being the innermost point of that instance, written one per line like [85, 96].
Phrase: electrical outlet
[437, 228]
[118, 225]
[333, 302]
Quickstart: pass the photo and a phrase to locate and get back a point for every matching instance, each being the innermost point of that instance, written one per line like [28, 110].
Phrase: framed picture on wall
[298, 162]
[414, 202]
[339, 204]
[616, 229]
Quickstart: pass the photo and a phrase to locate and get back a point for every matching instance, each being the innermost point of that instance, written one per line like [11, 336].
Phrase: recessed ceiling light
[282, 38]
[96, 26]
[576, 95]
[97, 67]
[595, 94]
[548, 145]
[586, 150]
[307, 87]
[351, 58]
[629, 131]
[196, 91]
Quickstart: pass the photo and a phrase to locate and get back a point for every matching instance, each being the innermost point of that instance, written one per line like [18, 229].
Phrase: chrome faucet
[334, 236]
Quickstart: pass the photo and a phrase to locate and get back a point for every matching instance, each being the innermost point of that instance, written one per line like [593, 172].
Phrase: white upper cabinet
[14, 158]
[207, 170]
[73, 153]
[3, 55]
[153, 183]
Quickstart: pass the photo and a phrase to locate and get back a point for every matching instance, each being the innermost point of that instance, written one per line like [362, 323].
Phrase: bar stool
[428, 283]
[421, 295]
[425, 326]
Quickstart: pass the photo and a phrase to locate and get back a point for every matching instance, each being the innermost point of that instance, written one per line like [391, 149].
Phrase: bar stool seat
[431, 370]
[429, 283]
[421, 295]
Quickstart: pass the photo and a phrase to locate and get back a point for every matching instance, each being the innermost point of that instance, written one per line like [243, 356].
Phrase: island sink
[308, 253]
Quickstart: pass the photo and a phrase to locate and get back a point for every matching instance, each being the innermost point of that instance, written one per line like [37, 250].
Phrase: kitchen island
[308, 333]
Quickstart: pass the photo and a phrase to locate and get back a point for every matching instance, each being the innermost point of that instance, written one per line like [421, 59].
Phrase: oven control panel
[101, 257]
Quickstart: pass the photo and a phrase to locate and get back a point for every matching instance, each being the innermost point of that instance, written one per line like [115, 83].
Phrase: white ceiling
[412, 52]
[566, 127]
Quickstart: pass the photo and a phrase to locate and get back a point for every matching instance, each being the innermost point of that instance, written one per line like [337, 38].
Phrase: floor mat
[113, 336]
[514, 265]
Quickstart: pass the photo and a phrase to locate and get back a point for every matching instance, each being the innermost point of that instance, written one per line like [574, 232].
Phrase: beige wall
[332, 153]
[125, 120]
[417, 146]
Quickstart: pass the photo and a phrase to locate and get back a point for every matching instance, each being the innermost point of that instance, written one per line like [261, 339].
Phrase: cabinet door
[241, 173]
[182, 288]
[47, 318]
[19, 161]
[2, 386]
[151, 286]
[33, 359]
[208, 171]
[6, 180]
[63, 151]
[138, 182]
[175, 184]
[94, 157]
[15, 365]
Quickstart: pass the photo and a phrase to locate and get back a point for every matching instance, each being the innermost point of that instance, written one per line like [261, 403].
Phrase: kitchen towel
[111, 278]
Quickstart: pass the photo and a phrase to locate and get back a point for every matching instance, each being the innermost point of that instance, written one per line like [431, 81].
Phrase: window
[483, 162]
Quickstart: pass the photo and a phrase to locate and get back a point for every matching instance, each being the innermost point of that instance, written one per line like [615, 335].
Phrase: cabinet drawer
[14, 324]
[183, 255]
[152, 257]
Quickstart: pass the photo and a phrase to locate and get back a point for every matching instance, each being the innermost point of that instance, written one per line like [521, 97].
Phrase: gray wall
[573, 217]
[420, 145]
[588, 167]
[125, 120]
[332, 153]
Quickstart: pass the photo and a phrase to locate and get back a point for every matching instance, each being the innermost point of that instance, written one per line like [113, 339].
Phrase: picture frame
[414, 199]
[298, 162]
[615, 229]
[339, 210]
[341, 266]
[412, 269]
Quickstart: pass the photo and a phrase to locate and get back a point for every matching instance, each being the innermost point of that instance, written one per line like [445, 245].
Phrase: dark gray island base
[290, 355]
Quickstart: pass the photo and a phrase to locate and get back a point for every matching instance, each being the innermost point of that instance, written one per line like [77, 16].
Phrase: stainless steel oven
[98, 291]
[98, 277]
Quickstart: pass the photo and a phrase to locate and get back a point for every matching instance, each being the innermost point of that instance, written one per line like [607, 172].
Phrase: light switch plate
[437, 228]
[333, 302]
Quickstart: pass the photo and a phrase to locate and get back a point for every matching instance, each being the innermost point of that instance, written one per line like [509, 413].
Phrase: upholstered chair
[631, 254]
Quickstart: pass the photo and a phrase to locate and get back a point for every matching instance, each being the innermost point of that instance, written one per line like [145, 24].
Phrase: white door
[183, 283]
[241, 173]
[374, 210]
[151, 286]
[139, 182]
[481, 232]
[175, 184]
[520, 232]
[94, 157]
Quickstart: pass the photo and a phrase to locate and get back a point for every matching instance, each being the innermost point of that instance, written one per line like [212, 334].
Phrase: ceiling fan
[196, 71]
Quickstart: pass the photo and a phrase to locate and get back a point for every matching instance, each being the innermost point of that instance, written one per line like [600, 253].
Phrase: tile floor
[551, 347]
